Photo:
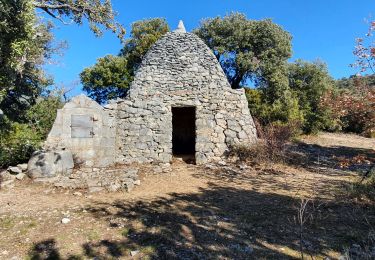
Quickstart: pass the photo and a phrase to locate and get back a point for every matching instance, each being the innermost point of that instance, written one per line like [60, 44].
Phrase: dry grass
[195, 213]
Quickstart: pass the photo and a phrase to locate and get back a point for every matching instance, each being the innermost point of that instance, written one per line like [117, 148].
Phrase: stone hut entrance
[183, 132]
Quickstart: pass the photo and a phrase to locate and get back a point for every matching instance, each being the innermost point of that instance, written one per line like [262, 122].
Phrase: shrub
[17, 143]
[42, 115]
[19, 140]
[272, 144]
[299, 102]
[353, 108]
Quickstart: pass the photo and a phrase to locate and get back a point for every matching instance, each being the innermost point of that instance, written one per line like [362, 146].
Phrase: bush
[353, 107]
[272, 144]
[300, 102]
[17, 143]
[19, 140]
[42, 115]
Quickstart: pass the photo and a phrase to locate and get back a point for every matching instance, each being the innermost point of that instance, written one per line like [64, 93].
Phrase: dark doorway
[183, 135]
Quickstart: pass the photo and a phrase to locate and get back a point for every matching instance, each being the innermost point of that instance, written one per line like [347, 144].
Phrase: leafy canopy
[25, 44]
[310, 81]
[111, 76]
[246, 49]
[108, 79]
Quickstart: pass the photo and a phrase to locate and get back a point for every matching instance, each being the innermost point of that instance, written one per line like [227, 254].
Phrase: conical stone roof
[182, 60]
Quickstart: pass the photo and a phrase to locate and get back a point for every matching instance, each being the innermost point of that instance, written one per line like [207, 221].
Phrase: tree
[98, 13]
[365, 51]
[25, 43]
[111, 76]
[254, 51]
[248, 49]
[310, 82]
[257, 51]
[108, 79]
[144, 34]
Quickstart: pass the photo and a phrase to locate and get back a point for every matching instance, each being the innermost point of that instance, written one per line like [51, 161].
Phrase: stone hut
[180, 103]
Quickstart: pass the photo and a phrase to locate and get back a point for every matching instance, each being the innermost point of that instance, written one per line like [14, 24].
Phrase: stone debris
[22, 166]
[65, 220]
[14, 170]
[77, 193]
[222, 163]
[20, 176]
[134, 252]
[7, 184]
[11, 174]
[96, 180]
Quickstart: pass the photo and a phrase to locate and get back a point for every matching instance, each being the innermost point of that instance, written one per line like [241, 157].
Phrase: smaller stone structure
[87, 129]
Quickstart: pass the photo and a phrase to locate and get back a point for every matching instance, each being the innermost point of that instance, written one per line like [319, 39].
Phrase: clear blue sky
[321, 29]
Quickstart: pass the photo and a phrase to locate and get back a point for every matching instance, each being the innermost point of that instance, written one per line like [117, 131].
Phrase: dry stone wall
[181, 71]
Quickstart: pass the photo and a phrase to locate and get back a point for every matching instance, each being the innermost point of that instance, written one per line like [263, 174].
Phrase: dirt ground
[233, 211]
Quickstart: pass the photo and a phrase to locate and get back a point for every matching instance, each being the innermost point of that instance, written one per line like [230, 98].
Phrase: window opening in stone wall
[184, 133]
[82, 126]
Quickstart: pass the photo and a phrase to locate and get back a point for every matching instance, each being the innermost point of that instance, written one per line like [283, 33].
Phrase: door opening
[183, 133]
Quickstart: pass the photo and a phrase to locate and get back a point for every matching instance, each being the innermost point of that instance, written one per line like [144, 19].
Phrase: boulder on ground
[48, 164]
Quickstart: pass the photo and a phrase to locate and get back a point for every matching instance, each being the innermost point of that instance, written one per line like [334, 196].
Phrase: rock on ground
[47, 164]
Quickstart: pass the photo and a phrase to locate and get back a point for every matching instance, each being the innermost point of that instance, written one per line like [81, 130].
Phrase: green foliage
[300, 102]
[283, 110]
[17, 143]
[99, 14]
[257, 51]
[353, 81]
[25, 43]
[248, 49]
[111, 76]
[42, 115]
[309, 82]
[25, 46]
[19, 140]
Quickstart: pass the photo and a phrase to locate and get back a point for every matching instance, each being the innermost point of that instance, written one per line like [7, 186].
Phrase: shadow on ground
[223, 222]
[233, 222]
[327, 159]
